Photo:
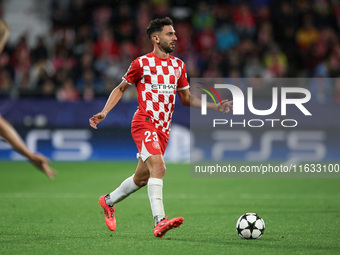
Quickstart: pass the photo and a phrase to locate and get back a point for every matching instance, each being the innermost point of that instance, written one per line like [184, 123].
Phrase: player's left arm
[8, 132]
[188, 99]
[4, 34]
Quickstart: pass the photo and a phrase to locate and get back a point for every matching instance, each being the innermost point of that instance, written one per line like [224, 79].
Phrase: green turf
[38, 216]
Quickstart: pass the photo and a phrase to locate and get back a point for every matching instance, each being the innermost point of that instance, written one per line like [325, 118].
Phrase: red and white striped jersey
[157, 81]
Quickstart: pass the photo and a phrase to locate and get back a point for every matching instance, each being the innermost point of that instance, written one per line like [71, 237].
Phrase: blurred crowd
[94, 41]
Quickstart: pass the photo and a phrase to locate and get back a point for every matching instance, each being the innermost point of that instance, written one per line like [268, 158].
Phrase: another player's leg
[156, 167]
[127, 187]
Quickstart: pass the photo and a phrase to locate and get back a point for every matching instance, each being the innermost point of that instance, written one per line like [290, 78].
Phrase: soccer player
[8, 132]
[158, 76]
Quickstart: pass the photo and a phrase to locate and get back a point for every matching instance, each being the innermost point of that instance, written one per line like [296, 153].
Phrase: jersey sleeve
[134, 73]
[182, 82]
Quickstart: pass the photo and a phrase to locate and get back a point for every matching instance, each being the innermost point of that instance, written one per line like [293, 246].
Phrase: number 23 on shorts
[150, 137]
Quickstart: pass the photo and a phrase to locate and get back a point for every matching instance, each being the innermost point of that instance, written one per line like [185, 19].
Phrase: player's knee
[143, 183]
[159, 170]
[140, 182]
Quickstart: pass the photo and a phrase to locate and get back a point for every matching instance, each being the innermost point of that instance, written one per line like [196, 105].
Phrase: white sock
[127, 187]
[155, 192]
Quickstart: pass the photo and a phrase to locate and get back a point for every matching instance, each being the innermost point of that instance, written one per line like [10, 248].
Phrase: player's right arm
[113, 99]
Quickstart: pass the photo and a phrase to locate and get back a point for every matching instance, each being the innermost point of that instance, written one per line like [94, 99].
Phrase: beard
[167, 48]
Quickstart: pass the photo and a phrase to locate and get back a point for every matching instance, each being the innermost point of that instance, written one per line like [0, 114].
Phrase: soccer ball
[250, 226]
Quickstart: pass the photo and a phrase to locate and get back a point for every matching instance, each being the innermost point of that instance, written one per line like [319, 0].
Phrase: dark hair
[157, 25]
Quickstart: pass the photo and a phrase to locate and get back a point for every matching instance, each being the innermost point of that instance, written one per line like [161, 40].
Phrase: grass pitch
[38, 216]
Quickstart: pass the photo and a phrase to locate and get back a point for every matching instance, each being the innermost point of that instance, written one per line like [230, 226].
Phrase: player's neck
[160, 54]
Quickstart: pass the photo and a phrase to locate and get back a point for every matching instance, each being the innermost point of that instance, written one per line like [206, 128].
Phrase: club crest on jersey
[156, 145]
[177, 73]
